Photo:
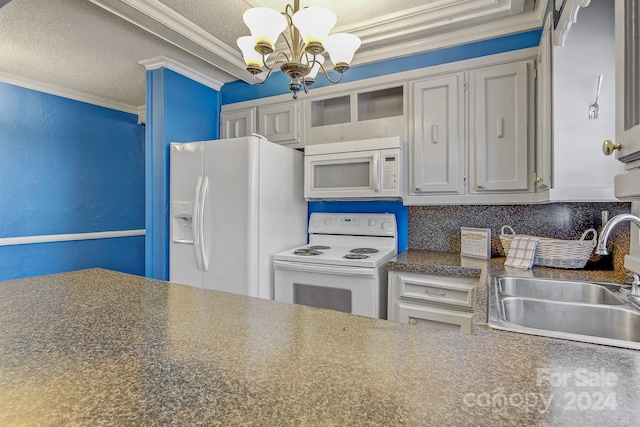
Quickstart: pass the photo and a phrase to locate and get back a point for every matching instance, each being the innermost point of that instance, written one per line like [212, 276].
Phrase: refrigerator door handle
[203, 249]
[197, 224]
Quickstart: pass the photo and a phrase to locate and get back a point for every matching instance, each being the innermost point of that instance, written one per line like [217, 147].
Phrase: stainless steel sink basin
[580, 311]
[558, 290]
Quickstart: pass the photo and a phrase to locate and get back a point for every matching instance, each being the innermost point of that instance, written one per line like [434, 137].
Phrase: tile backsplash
[437, 228]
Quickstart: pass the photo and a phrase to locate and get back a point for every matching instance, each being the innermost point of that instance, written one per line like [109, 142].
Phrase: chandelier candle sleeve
[265, 25]
[314, 24]
[306, 33]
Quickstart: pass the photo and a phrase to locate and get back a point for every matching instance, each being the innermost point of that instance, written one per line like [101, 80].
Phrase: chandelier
[306, 32]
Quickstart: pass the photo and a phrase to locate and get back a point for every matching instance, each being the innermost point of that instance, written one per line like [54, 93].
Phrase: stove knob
[372, 222]
[385, 225]
[327, 221]
[316, 223]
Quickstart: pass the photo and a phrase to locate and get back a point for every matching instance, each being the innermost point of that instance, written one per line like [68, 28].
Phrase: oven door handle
[325, 269]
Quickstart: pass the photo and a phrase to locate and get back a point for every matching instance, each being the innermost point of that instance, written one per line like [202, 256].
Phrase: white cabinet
[627, 184]
[627, 81]
[501, 150]
[544, 100]
[238, 123]
[435, 301]
[357, 114]
[627, 41]
[280, 122]
[580, 171]
[473, 135]
[438, 129]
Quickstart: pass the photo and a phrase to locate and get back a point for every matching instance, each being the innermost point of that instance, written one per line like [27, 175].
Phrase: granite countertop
[96, 347]
[452, 264]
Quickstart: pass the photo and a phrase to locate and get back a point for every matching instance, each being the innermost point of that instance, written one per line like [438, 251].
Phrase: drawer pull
[412, 321]
[439, 293]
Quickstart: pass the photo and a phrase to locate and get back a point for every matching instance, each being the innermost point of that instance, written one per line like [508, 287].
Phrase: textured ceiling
[82, 46]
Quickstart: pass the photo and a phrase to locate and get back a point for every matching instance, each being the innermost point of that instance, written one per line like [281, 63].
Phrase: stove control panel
[353, 224]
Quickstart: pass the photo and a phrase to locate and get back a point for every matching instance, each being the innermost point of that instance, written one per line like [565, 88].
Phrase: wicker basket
[554, 252]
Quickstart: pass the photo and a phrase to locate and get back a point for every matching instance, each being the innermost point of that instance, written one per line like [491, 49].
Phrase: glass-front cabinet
[361, 114]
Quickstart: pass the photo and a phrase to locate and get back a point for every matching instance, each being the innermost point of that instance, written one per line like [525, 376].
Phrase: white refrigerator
[234, 204]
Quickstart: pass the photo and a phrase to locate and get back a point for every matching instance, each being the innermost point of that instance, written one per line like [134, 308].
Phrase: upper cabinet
[586, 51]
[501, 155]
[544, 110]
[280, 122]
[277, 121]
[438, 135]
[628, 81]
[235, 124]
[356, 114]
[627, 184]
[472, 138]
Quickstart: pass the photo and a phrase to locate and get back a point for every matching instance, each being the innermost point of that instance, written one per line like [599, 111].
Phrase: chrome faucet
[601, 248]
[635, 284]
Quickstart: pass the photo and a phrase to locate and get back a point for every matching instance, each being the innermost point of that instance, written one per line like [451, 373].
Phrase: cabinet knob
[608, 147]
[418, 188]
[538, 179]
[480, 186]
[412, 321]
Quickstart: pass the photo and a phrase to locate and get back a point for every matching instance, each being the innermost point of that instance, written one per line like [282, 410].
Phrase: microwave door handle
[376, 173]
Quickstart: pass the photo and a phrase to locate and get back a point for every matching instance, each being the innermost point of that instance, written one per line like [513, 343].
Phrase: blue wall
[68, 167]
[278, 83]
[178, 110]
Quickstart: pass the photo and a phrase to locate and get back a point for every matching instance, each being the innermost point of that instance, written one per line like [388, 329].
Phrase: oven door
[355, 290]
[342, 175]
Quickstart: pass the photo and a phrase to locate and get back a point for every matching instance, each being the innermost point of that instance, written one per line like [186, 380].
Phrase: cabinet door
[499, 135]
[544, 97]
[236, 124]
[436, 318]
[628, 80]
[438, 135]
[280, 122]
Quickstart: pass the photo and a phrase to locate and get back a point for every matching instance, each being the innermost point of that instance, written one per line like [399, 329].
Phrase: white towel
[522, 251]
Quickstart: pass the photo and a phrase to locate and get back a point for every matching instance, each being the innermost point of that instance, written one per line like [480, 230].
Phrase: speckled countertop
[95, 347]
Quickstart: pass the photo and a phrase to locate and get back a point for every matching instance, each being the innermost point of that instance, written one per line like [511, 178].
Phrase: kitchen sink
[558, 290]
[575, 310]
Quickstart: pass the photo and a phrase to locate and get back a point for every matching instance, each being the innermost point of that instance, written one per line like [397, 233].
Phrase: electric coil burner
[306, 252]
[344, 265]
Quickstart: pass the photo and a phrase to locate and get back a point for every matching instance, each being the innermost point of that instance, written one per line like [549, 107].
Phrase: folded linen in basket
[522, 252]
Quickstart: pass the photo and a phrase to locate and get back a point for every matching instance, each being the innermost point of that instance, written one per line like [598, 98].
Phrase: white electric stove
[344, 265]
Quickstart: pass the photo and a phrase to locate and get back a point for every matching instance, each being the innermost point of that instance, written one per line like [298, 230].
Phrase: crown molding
[142, 114]
[431, 16]
[510, 25]
[173, 65]
[162, 21]
[65, 92]
[568, 17]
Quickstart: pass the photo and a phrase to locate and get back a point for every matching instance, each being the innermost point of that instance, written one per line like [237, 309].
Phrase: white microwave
[365, 169]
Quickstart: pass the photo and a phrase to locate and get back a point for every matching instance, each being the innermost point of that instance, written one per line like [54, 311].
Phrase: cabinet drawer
[454, 292]
[437, 318]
